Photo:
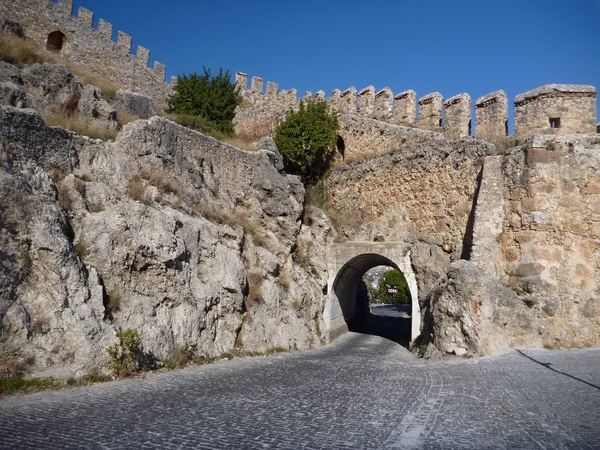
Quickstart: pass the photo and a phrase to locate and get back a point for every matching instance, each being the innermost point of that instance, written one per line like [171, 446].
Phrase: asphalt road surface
[362, 391]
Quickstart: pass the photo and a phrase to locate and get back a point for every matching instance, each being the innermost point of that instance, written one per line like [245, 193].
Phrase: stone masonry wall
[491, 116]
[551, 237]
[457, 116]
[92, 49]
[560, 108]
[574, 105]
[433, 179]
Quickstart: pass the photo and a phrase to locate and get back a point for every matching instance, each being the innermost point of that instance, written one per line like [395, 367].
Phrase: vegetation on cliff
[212, 98]
[306, 140]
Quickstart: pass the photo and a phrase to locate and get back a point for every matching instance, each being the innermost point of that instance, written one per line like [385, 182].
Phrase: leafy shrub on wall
[213, 98]
[306, 140]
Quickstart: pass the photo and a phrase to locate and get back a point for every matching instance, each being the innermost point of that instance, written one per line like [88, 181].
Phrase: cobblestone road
[363, 391]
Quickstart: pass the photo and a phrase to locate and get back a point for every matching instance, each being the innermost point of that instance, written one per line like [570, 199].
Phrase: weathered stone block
[405, 108]
[457, 116]
[430, 112]
[366, 101]
[384, 104]
[491, 116]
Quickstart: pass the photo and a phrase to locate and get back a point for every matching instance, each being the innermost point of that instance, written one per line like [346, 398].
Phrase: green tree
[391, 280]
[212, 98]
[306, 140]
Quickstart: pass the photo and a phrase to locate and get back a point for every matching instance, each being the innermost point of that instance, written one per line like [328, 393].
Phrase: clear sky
[473, 46]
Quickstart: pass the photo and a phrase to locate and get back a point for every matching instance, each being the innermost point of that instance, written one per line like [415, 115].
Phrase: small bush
[212, 98]
[306, 140]
[514, 143]
[114, 302]
[81, 249]
[197, 123]
[15, 384]
[317, 195]
[183, 355]
[126, 357]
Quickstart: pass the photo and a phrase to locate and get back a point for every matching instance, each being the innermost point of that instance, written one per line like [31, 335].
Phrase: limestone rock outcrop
[138, 104]
[190, 241]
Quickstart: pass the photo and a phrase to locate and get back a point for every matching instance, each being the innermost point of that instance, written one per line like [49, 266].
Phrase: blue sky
[468, 46]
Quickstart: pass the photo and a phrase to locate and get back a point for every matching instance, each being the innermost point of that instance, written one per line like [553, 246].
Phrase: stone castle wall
[563, 108]
[528, 219]
[93, 49]
[573, 105]
[551, 234]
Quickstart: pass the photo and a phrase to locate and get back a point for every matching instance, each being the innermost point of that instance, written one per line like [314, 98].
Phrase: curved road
[363, 391]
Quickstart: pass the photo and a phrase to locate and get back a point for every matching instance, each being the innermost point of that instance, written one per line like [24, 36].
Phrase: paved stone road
[363, 391]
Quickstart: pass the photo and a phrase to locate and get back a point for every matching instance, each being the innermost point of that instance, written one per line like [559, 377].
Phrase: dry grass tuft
[37, 325]
[57, 174]
[108, 88]
[95, 207]
[216, 214]
[254, 131]
[250, 227]
[86, 126]
[114, 302]
[297, 304]
[64, 196]
[160, 178]
[124, 117]
[23, 52]
[256, 277]
[241, 144]
[285, 277]
[135, 188]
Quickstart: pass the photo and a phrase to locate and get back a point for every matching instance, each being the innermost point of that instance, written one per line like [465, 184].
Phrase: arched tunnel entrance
[347, 307]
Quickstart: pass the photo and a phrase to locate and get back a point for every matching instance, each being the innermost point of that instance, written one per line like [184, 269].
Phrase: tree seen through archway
[389, 289]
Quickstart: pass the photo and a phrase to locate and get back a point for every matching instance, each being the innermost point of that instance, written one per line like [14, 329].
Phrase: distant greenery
[306, 140]
[392, 279]
[212, 98]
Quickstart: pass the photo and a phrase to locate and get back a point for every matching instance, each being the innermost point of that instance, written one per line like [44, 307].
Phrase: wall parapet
[453, 117]
[91, 48]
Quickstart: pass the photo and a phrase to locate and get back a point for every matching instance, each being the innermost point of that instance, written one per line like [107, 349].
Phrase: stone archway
[56, 41]
[346, 263]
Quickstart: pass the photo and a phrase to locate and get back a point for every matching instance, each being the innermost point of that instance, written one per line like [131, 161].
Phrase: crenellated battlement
[53, 24]
[551, 108]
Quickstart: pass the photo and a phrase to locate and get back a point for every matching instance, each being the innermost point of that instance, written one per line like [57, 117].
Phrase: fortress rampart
[553, 108]
[53, 25]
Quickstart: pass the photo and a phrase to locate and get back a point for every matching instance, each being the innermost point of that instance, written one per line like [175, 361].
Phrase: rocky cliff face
[189, 241]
